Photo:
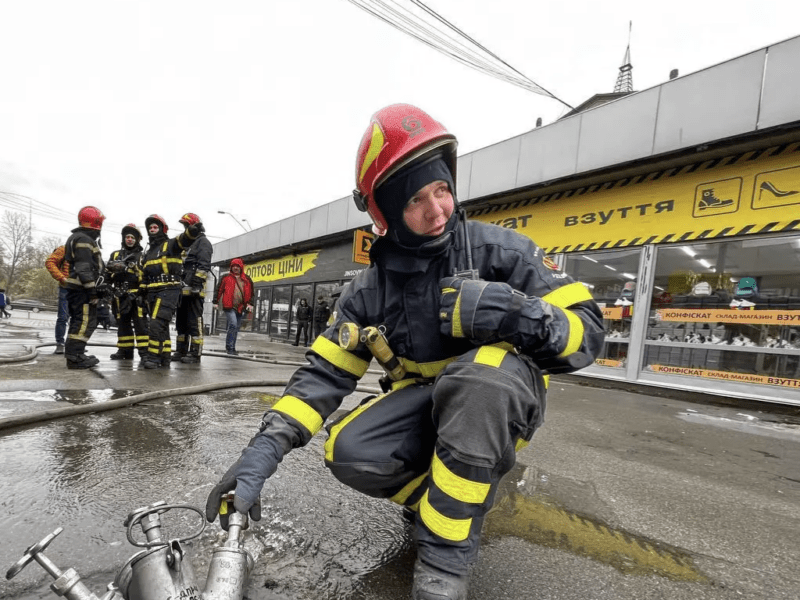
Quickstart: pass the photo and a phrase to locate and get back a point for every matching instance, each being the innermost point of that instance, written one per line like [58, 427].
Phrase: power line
[461, 47]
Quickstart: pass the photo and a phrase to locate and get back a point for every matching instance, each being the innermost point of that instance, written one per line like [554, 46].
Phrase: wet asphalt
[621, 494]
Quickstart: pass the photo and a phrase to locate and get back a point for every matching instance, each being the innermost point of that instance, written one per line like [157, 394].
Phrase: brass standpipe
[350, 335]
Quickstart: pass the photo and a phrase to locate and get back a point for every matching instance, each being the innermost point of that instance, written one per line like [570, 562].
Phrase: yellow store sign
[281, 268]
[749, 193]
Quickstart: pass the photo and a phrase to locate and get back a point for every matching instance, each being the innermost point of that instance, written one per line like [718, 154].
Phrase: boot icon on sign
[709, 200]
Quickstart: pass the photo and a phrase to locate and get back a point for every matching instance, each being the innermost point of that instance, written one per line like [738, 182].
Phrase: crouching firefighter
[474, 314]
[189, 316]
[125, 275]
[161, 280]
[82, 252]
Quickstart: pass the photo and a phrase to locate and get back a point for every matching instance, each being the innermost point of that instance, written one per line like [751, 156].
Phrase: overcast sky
[257, 107]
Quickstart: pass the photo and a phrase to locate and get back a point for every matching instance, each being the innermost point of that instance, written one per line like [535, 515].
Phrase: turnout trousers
[161, 305]
[441, 447]
[189, 324]
[131, 324]
[82, 322]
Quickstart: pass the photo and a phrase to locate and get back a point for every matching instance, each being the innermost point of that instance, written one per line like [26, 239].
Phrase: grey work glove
[485, 312]
[246, 476]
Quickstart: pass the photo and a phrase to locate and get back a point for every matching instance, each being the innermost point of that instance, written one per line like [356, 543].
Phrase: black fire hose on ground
[70, 411]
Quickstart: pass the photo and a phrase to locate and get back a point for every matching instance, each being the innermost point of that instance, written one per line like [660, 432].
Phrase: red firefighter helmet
[156, 219]
[397, 136]
[189, 219]
[132, 229]
[91, 217]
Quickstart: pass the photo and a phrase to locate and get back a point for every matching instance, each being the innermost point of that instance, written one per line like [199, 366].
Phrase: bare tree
[16, 242]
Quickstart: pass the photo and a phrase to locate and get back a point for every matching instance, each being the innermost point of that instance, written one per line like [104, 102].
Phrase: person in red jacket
[235, 292]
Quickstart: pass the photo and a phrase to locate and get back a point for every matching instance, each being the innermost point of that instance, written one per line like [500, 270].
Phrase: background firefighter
[476, 316]
[161, 282]
[82, 252]
[189, 316]
[125, 274]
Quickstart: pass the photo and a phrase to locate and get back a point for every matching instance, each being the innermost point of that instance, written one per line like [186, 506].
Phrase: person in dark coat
[322, 313]
[303, 316]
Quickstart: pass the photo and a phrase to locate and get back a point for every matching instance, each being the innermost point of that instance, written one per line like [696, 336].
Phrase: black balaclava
[393, 195]
[159, 236]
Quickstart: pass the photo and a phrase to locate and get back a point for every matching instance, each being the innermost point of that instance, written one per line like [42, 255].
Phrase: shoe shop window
[727, 311]
[611, 277]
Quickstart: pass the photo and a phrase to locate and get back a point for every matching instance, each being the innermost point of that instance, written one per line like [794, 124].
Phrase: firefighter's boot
[122, 354]
[151, 361]
[180, 349]
[194, 354]
[81, 361]
[431, 583]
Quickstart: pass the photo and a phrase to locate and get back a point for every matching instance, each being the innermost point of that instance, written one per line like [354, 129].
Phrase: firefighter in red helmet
[82, 252]
[162, 266]
[474, 317]
[189, 315]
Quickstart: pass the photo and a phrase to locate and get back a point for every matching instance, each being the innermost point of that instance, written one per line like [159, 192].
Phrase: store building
[678, 205]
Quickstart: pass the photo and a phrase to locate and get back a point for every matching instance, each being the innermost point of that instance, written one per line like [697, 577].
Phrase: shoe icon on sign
[709, 200]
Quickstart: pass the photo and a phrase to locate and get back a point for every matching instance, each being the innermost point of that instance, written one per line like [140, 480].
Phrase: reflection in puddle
[540, 519]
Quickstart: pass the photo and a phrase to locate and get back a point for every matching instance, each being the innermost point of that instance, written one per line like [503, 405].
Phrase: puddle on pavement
[531, 511]
[69, 396]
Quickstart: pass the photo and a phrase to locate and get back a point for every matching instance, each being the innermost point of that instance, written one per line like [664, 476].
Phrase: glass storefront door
[279, 318]
[611, 277]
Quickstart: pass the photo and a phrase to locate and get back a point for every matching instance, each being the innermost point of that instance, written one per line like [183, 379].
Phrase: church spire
[625, 78]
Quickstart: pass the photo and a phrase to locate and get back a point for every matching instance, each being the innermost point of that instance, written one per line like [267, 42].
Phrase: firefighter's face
[429, 209]
[130, 241]
[153, 229]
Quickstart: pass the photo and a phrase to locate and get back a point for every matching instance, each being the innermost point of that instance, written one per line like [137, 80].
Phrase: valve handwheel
[31, 552]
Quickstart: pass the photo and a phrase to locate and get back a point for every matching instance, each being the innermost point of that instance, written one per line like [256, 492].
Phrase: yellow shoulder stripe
[339, 357]
[568, 295]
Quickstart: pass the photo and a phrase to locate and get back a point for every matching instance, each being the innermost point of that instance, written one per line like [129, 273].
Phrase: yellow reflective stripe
[546, 381]
[155, 310]
[164, 258]
[84, 321]
[520, 444]
[568, 295]
[339, 357]
[455, 530]
[403, 383]
[431, 369]
[375, 147]
[401, 496]
[458, 331]
[340, 425]
[456, 486]
[299, 411]
[124, 337]
[490, 355]
[575, 333]
[84, 245]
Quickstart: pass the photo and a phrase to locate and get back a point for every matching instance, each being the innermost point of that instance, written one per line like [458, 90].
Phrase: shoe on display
[433, 584]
